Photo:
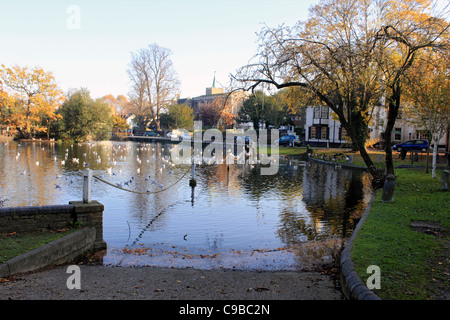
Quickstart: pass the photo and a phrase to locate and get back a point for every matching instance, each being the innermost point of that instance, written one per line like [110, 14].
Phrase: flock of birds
[151, 161]
[114, 156]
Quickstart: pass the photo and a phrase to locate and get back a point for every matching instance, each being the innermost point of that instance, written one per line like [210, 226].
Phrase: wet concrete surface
[98, 282]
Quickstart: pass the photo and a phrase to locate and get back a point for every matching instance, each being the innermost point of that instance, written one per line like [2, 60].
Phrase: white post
[87, 178]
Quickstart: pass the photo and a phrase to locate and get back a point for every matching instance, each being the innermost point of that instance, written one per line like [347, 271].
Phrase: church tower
[213, 90]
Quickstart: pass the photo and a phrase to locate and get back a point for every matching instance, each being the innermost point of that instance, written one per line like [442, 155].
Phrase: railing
[87, 184]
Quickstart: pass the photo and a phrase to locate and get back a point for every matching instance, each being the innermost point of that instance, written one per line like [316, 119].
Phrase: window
[321, 112]
[324, 133]
[316, 112]
[317, 132]
[398, 134]
[312, 132]
[422, 135]
[324, 112]
[342, 133]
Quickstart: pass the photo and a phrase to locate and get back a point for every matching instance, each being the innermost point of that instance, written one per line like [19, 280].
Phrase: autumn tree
[210, 112]
[123, 104]
[227, 119]
[119, 104]
[348, 54]
[6, 110]
[409, 28]
[154, 82]
[329, 56]
[36, 99]
[119, 124]
[428, 93]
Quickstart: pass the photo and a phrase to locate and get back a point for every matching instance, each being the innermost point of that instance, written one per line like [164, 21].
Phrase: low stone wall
[60, 251]
[353, 287]
[34, 219]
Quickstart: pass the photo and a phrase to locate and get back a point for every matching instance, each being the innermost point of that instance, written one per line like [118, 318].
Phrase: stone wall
[42, 218]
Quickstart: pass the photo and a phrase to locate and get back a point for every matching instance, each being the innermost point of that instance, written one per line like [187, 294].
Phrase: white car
[185, 136]
[182, 136]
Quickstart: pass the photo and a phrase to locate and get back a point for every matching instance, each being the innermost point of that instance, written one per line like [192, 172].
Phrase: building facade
[323, 129]
[216, 98]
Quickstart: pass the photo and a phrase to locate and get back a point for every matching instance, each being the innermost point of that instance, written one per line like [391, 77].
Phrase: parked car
[290, 140]
[243, 139]
[151, 134]
[171, 135]
[412, 145]
[380, 145]
[174, 136]
[184, 136]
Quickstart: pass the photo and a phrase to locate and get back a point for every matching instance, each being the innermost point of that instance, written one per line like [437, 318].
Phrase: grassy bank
[14, 244]
[413, 264]
[378, 157]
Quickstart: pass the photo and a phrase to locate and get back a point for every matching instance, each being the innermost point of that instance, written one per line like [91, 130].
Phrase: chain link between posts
[140, 192]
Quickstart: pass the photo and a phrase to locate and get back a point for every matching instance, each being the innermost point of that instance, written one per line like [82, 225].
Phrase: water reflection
[233, 208]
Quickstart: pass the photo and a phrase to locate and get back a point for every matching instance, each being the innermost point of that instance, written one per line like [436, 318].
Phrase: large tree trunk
[393, 107]
[358, 140]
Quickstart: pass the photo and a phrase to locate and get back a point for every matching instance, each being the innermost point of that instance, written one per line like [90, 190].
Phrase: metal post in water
[193, 182]
[87, 179]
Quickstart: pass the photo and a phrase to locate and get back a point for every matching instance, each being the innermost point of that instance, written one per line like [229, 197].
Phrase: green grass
[412, 263]
[290, 151]
[375, 155]
[15, 244]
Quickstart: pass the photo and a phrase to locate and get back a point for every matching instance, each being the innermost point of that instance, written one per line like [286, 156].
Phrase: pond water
[234, 217]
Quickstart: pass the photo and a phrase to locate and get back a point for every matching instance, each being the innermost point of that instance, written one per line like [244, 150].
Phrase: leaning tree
[349, 56]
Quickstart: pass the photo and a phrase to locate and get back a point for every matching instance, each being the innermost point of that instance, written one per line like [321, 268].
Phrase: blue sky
[204, 37]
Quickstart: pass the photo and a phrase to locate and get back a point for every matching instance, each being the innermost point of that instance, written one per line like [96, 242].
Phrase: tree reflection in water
[232, 207]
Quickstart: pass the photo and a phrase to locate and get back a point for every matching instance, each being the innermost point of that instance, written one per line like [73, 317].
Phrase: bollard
[87, 177]
[350, 159]
[193, 182]
[444, 180]
[403, 154]
[388, 188]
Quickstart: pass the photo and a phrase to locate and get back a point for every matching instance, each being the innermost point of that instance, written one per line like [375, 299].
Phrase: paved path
[122, 283]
